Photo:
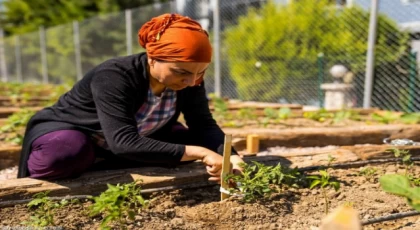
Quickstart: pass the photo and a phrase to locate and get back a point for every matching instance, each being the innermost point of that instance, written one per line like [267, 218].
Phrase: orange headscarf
[173, 37]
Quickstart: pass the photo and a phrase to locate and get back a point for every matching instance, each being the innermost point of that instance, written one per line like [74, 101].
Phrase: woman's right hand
[212, 160]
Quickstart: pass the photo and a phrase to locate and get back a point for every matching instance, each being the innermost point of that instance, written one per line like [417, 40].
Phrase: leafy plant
[284, 113]
[400, 185]
[324, 180]
[405, 157]
[368, 173]
[343, 115]
[246, 113]
[410, 118]
[14, 124]
[43, 209]
[220, 106]
[386, 118]
[117, 202]
[259, 180]
[270, 113]
[415, 181]
[319, 115]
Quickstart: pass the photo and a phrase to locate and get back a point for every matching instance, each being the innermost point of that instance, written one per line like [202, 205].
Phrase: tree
[276, 45]
[22, 16]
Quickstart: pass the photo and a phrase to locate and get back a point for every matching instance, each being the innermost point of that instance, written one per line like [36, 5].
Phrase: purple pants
[69, 153]
[60, 154]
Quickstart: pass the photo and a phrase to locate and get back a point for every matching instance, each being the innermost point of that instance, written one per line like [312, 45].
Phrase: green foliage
[405, 157]
[117, 202]
[368, 172]
[21, 16]
[410, 118]
[400, 185]
[44, 209]
[343, 115]
[247, 113]
[324, 180]
[285, 41]
[259, 180]
[318, 115]
[386, 118]
[220, 106]
[15, 123]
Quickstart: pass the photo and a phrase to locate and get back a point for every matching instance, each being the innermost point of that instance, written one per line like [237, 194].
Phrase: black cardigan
[107, 99]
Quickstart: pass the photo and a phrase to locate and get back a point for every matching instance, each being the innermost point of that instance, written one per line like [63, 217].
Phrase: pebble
[177, 221]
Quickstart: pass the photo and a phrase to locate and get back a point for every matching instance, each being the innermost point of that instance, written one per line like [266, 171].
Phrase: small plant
[405, 158]
[259, 180]
[246, 114]
[400, 185]
[43, 209]
[14, 124]
[386, 118]
[410, 118]
[270, 113]
[368, 173]
[284, 113]
[324, 180]
[117, 202]
[343, 115]
[415, 181]
[319, 115]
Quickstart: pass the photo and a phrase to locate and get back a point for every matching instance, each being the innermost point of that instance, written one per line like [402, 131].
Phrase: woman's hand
[212, 160]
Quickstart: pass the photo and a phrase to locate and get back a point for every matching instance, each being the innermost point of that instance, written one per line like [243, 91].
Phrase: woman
[125, 110]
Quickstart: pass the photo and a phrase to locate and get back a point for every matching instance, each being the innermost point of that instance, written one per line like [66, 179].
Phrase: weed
[405, 158]
[324, 180]
[386, 118]
[368, 173]
[400, 185]
[43, 209]
[117, 202]
[14, 124]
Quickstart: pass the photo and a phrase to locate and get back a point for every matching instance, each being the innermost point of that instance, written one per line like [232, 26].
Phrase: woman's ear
[151, 61]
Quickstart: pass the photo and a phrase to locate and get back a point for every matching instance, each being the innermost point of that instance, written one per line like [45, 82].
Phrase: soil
[291, 209]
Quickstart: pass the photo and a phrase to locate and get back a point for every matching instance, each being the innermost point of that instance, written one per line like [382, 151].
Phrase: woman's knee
[60, 153]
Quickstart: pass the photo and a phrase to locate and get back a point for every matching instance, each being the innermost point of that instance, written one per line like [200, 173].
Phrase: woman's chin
[177, 87]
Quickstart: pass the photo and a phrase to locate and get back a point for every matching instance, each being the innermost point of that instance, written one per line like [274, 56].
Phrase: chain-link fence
[274, 51]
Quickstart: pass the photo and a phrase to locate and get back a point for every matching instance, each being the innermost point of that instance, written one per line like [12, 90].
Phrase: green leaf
[396, 184]
[314, 183]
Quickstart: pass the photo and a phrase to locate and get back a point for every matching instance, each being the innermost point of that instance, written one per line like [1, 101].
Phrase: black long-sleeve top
[106, 101]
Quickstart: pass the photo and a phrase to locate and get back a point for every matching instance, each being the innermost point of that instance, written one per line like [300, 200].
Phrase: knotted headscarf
[173, 37]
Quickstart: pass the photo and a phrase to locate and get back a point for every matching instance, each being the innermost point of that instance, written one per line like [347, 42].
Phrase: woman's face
[177, 75]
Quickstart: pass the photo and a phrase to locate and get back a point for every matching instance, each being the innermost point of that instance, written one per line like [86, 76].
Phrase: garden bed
[200, 208]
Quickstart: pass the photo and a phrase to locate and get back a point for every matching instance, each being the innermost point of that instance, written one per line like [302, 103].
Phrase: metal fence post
[77, 55]
[43, 47]
[412, 81]
[321, 71]
[3, 67]
[370, 61]
[18, 57]
[216, 48]
[129, 31]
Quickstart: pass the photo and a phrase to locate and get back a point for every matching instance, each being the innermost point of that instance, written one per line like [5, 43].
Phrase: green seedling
[386, 118]
[14, 124]
[43, 209]
[410, 118]
[369, 173]
[246, 114]
[319, 115]
[343, 115]
[270, 113]
[117, 202]
[400, 185]
[415, 181]
[405, 158]
[259, 180]
[324, 180]
[284, 113]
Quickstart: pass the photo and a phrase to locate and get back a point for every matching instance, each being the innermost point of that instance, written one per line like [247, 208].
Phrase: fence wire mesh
[273, 51]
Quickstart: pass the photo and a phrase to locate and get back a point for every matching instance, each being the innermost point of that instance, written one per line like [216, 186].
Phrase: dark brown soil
[292, 209]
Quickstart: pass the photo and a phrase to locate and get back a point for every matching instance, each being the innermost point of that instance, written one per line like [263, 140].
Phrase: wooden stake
[343, 218]
[252, 144]
[226, 165]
